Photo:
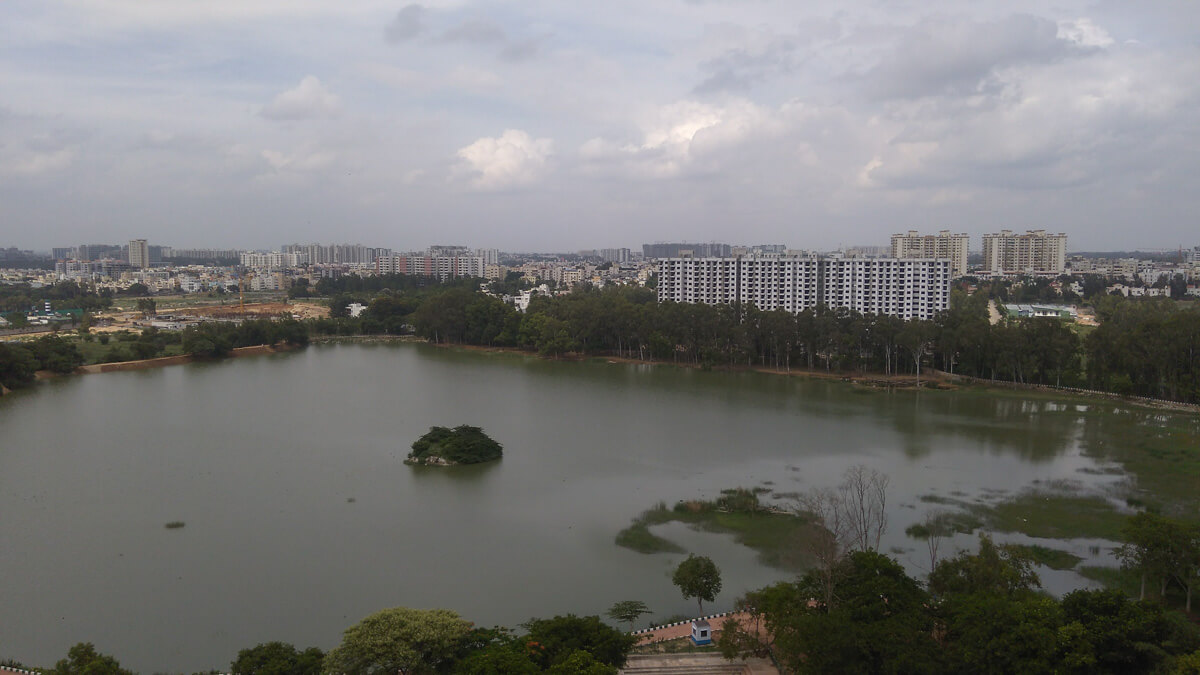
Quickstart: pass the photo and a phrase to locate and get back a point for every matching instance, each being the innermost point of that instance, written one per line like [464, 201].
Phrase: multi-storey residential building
[139, 254]
[914, 288]
[1034, 252]
[952, 247]
[617, 255]
[319, 254]
[273, 261]
[442, 267]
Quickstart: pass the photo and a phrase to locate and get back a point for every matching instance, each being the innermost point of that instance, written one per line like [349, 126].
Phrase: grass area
[945, 524]
[778, 537]
[96, 352]
[638, 537]
[1053, 558]
[1161, 449]
[1055, 516]
[1126, 581]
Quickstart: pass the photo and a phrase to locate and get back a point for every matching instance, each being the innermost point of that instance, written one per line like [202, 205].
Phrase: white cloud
[681, 136]
[1084, 32]
[514, 158]
[308, 100]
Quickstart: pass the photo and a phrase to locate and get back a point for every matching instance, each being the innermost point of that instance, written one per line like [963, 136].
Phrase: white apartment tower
[909, 289]
[1034, 252]
[952, 247]
[139, 254]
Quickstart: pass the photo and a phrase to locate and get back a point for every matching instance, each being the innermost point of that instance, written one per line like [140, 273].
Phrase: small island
[446, 447]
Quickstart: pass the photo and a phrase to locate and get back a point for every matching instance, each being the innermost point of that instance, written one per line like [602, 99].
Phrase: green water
[301, 518]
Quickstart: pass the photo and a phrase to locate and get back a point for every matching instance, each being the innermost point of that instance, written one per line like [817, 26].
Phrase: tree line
[1146, 347]
[418, 642]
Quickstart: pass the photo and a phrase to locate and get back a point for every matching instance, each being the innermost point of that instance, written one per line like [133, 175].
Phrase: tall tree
[698, 577]
[628, 611]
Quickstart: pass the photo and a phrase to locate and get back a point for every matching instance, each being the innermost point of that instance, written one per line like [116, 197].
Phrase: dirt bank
[175, 360]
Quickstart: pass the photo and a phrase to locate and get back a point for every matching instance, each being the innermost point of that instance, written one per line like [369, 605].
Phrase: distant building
[905, 288]
[273, 261]
[650, 251]
[617, 255]
[1034, 252]
[139, 254]
[952, 247]
[440, 267]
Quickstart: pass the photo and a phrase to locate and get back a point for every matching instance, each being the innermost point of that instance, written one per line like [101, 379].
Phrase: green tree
[83, 659]
[987, 632]
[880, 621]
[994, 569]
[400, 640]
[1106, 632]
[18, 366]
[277, 658]
[554, 641]
[698, 577]
[628, 611]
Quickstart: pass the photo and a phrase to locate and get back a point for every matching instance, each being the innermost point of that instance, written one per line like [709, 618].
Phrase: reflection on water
[301, 517]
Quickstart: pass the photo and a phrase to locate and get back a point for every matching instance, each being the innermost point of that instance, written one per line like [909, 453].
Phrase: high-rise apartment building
[1034, 252]
[139, 254]
[441, 267]
[273, 261]
[617, 255]
[952, 247]
[905, 288]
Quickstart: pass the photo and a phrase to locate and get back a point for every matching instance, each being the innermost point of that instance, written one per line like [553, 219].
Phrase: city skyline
[556, 128]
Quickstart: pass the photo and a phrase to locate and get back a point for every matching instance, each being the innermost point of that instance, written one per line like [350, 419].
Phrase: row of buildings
[1004, 253]
[910, 289]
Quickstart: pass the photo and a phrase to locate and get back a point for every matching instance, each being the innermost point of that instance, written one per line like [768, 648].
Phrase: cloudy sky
[551, 125]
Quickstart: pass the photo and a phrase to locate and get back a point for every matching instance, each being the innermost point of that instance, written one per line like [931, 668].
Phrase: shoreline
[935, 380]
[164, 361]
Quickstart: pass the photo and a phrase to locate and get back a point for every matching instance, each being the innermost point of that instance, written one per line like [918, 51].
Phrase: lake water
[301, 518]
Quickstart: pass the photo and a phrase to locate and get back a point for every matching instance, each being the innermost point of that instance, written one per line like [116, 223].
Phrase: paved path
[685, 629]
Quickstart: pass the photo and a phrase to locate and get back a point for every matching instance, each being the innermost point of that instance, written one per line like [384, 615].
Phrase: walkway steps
[685, 664]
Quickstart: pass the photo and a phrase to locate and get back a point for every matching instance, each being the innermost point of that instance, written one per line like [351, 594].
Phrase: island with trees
[463, 444]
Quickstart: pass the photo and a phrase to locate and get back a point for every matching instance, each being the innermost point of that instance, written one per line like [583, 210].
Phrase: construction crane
[241, 287]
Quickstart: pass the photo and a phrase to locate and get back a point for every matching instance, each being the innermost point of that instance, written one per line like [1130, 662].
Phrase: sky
[543, 125]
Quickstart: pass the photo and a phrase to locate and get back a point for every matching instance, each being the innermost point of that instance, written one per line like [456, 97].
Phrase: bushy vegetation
[461, 445]
[219, 338]
[981, 612]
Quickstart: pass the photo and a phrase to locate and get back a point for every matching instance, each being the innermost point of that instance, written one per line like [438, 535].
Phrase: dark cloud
[522, 50]
[737, 70]
[408, 24]
[476, 31]
[940, 57]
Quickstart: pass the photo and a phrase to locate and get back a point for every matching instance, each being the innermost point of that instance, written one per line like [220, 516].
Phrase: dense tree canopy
[277, 658]
[400, 640]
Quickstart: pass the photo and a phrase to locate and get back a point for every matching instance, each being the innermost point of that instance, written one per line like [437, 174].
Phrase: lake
[301, 517]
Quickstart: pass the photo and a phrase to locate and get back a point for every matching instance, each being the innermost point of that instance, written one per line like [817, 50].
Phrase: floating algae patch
[778, 537]
[1053, 558]
[1048, 515]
